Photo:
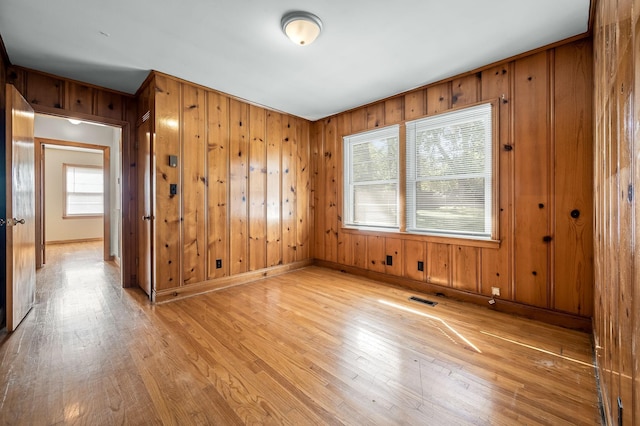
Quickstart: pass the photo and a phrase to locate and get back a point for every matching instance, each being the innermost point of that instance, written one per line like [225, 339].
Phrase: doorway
[66, 148]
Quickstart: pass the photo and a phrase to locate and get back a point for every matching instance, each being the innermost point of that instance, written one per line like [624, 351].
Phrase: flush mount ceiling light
[302, 28]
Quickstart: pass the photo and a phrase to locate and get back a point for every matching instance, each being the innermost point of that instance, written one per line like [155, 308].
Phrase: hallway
[70, 351]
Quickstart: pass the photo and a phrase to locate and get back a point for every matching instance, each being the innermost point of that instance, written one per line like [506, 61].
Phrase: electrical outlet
[495, 291]
[173, 189]
[420, 265]
[218, 263]
[389, 260]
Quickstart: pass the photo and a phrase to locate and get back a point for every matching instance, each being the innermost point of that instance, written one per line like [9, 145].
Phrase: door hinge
[630, 193]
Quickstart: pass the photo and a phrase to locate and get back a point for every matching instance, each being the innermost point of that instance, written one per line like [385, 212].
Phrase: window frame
[347, 198]
[65, 193]
[491, 187]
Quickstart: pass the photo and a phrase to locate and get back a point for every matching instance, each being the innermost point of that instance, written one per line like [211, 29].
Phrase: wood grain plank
[44, 90]
[376, 253]
[359, 119]
[497, 264]
[194, 186]
[393, 248]
[465, 268]
[257, 188]
[466, 90]
[167, 225]
[438, 265]
[573, 290]
[359, 251]
[289, 173]
[532, 180]
[303, 185]
[274, 187]
[415, 104]
[414, 252]
[317, 152]
[238, 187]
[79, 98]
[375, 115]
[438, 98]
[218, 150]
[393, 111]
[331, 147]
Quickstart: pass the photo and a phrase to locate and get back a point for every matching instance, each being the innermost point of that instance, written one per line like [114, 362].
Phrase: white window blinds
[371, 178]
[450, 173]
[83, 190]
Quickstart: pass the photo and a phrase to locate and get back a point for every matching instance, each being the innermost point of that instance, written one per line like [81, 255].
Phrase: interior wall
[58, 228]
[543, 262]
[61, 129]
[243, 186]
[617, 176]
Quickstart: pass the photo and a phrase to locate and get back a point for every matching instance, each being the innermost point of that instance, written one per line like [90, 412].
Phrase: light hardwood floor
[309, 347]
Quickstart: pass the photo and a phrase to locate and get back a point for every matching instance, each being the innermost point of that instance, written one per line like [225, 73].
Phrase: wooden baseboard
[548, 316]
[172, 294]
[82, 240]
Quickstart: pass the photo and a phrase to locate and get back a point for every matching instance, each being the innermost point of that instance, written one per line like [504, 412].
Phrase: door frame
[128, 185]
[40, 191]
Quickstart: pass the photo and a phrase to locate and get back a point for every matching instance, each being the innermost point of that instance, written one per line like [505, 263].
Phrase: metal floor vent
[421, 300]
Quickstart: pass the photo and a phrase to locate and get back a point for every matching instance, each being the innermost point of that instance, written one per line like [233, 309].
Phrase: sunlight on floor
[413, 311]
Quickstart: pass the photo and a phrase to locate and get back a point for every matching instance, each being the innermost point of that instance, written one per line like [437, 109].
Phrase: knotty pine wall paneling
[217, 178]
[238, 187]
[194, 185]
[242, 209]
[376, 253]
[543, 119]
[616, 176]
[318, 186]
[414, 252]
[274, 189]
[573, 239]
[257, 188]
[393, 248]
[303, 191]
[496, 265]
[58, 96]
[332, 153]
[289, 154]
[168, 247]
[531, 155]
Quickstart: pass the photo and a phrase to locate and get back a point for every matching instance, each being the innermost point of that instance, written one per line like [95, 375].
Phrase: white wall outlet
[495, 291]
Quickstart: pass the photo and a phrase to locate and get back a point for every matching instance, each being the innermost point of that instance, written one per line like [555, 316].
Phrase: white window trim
[348, 186]
[436, 121]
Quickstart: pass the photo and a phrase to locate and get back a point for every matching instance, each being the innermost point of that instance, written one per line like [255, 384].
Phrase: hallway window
[83, 190]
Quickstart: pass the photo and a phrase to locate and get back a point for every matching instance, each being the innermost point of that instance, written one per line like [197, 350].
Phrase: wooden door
[145, 213]
[19, 219]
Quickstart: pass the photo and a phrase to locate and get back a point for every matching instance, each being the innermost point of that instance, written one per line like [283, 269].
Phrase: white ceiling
[368, 50]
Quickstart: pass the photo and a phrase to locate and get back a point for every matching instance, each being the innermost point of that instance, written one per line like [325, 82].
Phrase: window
[83, 190]
[450, 173]
[371, 178]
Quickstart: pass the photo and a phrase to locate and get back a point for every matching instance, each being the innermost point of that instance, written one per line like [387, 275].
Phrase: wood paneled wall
[244, 187]
[68, 98]
[616, 181]
[545, 116]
